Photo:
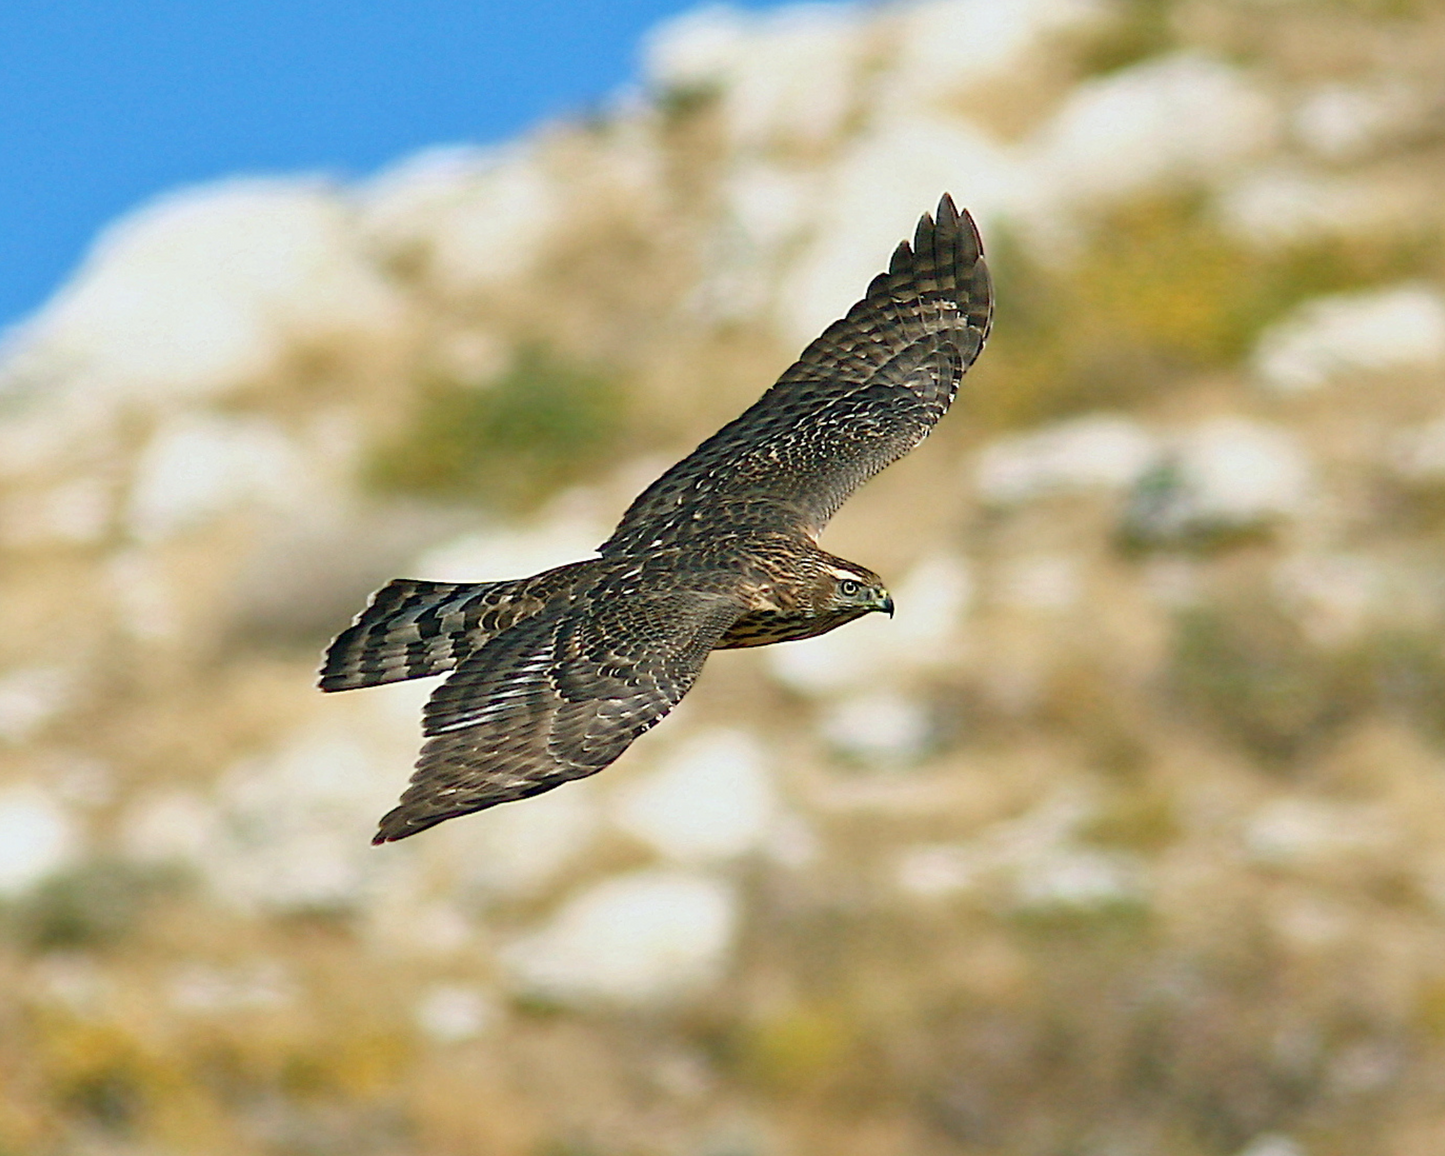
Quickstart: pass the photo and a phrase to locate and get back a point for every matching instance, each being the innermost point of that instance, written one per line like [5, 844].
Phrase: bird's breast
[763, 627]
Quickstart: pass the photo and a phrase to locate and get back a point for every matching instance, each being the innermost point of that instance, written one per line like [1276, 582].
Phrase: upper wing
[860, 397]
[557, 697]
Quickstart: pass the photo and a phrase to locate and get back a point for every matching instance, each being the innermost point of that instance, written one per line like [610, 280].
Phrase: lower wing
[555, 698]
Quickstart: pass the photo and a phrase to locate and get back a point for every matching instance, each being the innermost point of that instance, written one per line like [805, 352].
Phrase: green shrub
[1251, 674]
[1157, 293]
[542, 425]
[95, 904]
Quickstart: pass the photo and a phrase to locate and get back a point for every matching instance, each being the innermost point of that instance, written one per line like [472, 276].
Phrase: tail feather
[413, 628]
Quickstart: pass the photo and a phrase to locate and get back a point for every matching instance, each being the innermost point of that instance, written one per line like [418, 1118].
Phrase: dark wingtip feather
[397, 824]
[332, 675]
[967, 225]
[899, 263]
[953, 224]
[923, 235]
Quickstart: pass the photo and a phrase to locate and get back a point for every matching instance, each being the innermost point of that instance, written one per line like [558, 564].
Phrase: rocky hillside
[1126, 836]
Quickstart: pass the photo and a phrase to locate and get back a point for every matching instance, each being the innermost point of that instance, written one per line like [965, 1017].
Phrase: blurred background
[1125, 837]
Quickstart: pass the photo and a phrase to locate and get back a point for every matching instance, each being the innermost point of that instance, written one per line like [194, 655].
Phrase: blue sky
[105, 103]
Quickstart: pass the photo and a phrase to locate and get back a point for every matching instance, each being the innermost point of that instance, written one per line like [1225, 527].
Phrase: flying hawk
[555, 675]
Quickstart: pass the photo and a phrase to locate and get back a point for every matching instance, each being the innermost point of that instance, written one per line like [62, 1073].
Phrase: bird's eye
[849, 587]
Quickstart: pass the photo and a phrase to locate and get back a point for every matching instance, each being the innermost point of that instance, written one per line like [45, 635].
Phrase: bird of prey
[555, 675]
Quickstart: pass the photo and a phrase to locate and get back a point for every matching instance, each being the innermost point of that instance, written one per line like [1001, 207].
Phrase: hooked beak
[887, 605]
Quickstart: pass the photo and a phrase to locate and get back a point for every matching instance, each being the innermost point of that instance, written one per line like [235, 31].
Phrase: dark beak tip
[888, 606]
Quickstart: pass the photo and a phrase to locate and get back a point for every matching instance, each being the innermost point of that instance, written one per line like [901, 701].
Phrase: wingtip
[902, 258]
[923, 234]
[391, 827]
[395, 826]
[965, 219]
[947, 221]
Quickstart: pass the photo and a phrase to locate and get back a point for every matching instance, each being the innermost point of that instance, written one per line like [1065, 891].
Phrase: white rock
[1273, 1144]
[422, 928]
[202, 989]
[515, 851]
[474, 355]
[1239, 471]
[769, 205]
[1313, 921]
[938, 870]
[319, 769]
[478, 217]
[766, 211]
[711, 799]
[1041, 582]
[1332, 595]
[783, 76]
[147, 603]
[1032, 860]
[178, 826]
[30, 697]
[1298, 830]
[944, 46]
[37, 838]
[933, 600]
[208, 289]
[1096, 452]
[1079, 878]
[877, 727]
[76, 981]
[648, 937]
[1281, 204]
[1341, 121]
[1373, 331]
[1040, 830]
[81, 781]
[1226, 473]
[288, 865]
[1183, 116]
[852, 656]
[514, 552]
[450, 1013]
[198, 466]
[294, 825]
[1417, 453]
[793, 842]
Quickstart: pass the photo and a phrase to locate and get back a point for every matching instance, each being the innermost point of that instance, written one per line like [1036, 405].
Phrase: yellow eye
[849, 587]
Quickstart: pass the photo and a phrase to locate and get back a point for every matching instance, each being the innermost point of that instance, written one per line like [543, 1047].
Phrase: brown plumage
[555, 675]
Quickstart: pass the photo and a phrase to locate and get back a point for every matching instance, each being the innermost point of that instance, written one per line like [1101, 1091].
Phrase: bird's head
[850, 588]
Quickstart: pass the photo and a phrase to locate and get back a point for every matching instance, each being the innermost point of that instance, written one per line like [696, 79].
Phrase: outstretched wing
[557, 697]
[860, 397]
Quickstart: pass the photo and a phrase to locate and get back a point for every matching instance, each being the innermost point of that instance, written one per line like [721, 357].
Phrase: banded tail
[413, 628]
